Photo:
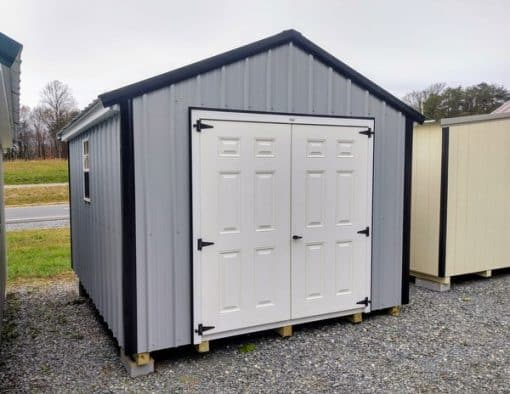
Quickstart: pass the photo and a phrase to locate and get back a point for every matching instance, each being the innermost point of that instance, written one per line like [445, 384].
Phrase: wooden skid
[142, 358]
[355, 318]
[432, 278]
[446, 280]
[394, 311]
[285, 331]
[202, 347]
[485, 274]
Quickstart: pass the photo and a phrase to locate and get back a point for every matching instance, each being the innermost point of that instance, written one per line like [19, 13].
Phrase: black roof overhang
[285, 37]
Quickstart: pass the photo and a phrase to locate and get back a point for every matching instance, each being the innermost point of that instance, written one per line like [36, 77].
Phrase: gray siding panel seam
[246, 84]
[269, 105]
[290, 78]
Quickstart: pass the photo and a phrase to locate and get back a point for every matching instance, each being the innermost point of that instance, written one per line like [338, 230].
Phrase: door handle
[296, 237]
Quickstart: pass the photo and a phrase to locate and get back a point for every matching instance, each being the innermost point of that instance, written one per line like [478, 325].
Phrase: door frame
[201, 113]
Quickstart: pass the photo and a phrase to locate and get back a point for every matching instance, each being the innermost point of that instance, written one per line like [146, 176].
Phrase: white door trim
[204, 115]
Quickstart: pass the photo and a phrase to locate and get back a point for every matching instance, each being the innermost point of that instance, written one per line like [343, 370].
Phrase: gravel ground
[442, 342]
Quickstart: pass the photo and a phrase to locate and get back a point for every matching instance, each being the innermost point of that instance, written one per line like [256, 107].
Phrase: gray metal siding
[3, 258]
[285, 79]
[96, 226]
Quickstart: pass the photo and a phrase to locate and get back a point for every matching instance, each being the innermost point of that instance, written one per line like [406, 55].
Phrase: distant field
[20, 172]
[37, 254]
[14, 196]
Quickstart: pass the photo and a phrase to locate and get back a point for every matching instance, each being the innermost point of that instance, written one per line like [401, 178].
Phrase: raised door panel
[244, 199]
[331, 202]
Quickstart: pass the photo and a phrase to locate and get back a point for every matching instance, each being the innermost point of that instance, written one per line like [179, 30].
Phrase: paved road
[43, 216]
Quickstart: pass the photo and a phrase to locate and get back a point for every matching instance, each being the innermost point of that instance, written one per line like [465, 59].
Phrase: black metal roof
[285, 37]
[9, 50]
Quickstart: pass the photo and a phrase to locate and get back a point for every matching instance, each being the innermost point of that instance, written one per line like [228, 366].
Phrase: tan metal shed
[460, 219]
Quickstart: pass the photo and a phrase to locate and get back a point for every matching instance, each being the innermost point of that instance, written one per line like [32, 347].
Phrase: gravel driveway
[455, 341]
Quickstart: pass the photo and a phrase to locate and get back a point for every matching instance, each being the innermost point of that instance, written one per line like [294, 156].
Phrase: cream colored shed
[460, 219]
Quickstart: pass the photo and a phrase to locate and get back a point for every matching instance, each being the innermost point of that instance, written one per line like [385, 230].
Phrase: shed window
[86, 171]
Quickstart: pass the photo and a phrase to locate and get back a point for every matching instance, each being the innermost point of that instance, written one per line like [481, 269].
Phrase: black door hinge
[365, 231]
[368, 132]
[200, 330]
[365, 302]
[200, 126]
[201, 244]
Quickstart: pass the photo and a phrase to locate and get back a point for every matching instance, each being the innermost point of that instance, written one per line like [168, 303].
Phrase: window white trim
[86, 168]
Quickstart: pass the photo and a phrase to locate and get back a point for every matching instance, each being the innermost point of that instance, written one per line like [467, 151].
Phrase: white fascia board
[474, 118]
[94, 117]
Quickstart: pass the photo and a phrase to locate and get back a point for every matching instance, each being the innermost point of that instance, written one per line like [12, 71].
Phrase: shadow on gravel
[54, 340]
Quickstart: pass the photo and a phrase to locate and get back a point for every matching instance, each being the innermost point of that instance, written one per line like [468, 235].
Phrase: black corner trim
[285, 37]
[443, 207]
[127, 177]
[406, 231]
[70, 202]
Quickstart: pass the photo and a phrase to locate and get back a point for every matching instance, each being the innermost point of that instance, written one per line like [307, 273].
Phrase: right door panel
[331, 202]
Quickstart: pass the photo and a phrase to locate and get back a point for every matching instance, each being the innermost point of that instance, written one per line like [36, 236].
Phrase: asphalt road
[43, 216]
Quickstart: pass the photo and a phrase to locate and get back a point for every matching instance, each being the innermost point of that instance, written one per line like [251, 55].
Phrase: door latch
[296, 237]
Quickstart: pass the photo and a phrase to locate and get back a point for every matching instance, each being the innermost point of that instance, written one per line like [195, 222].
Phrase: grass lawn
[20, 172]
[36, 195]
[37, 254]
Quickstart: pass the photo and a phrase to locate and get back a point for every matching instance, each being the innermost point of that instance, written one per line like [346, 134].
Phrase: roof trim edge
[215, 62]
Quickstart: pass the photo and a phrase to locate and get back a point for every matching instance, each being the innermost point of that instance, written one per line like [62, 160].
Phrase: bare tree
[41, 135]
[57, 108]
[418, 98]
[24, 135]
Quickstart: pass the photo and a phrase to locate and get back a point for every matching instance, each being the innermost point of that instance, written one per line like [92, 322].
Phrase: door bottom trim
[270, 326]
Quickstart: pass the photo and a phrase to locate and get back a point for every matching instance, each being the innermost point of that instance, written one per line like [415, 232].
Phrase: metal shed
[263, 187]
[461, 187]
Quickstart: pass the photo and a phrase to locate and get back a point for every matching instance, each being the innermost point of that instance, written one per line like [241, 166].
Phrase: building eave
[91, 116]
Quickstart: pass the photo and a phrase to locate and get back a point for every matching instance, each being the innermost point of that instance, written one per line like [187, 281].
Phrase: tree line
[439, 101]
[36, 133]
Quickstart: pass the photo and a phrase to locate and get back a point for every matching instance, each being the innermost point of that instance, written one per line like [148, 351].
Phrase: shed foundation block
[485, 274]
[284, 332]
[355, 318]
[432, 285]
[202, 347]
[134, 370]
[394, 311]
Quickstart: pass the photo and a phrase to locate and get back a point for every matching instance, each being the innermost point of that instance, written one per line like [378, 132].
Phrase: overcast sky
[99, 45]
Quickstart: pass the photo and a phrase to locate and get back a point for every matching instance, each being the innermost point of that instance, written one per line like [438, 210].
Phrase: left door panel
[244, 199]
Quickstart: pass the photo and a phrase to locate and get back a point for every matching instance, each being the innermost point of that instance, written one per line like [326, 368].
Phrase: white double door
[281, 205]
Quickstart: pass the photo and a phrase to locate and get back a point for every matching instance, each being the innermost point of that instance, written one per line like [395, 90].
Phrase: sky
[402, 45]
